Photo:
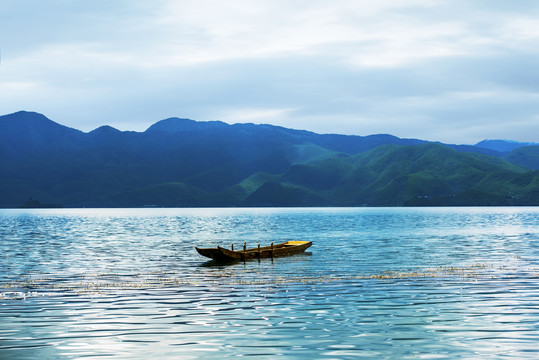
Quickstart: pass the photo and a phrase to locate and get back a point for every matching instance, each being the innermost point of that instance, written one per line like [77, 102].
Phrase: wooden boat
[283, 249]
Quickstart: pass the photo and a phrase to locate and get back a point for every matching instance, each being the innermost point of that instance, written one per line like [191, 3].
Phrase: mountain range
[184, 163]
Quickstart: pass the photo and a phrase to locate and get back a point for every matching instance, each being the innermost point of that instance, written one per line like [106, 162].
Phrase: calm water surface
[377, 283]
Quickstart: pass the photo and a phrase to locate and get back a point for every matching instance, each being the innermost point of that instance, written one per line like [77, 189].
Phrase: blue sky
[456, 71]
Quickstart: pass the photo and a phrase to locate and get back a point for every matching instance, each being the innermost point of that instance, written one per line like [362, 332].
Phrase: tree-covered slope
[526, 156]
[429, 174]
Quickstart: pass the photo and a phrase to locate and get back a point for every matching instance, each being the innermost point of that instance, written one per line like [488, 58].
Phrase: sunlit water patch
[377, 283]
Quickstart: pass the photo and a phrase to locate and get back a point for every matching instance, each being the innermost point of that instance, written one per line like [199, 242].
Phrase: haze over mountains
[184, 163]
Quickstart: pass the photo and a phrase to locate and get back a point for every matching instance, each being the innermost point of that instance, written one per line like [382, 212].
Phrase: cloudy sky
[456, 71]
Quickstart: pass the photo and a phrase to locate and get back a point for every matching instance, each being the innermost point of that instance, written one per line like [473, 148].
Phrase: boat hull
[284, 249]
[212, 253]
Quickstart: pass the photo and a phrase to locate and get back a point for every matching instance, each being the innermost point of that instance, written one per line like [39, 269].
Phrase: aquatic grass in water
[393, 283]
[30, 285]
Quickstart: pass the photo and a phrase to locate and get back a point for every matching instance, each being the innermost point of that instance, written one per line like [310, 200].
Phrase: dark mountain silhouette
[24, 133]
[181, 162]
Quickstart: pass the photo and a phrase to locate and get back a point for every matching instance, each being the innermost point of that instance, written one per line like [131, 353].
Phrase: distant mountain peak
[105, 129]
[503, 145]
[25, 116]
[30, 121]
[25, 113]
[175, 125]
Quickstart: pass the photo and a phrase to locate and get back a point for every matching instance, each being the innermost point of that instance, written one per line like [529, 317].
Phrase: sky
[455, 71]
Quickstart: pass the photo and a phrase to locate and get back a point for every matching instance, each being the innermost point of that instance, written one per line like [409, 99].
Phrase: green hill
[526, 156]
[429, 174]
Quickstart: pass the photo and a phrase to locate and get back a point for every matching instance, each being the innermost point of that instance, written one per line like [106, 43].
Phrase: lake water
[402, 283]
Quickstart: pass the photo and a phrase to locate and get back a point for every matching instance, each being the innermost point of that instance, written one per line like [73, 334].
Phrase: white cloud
[413, 68]
[254, 115]
[213, 31]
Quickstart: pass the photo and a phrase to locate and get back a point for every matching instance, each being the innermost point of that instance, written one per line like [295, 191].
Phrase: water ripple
[388, 283]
